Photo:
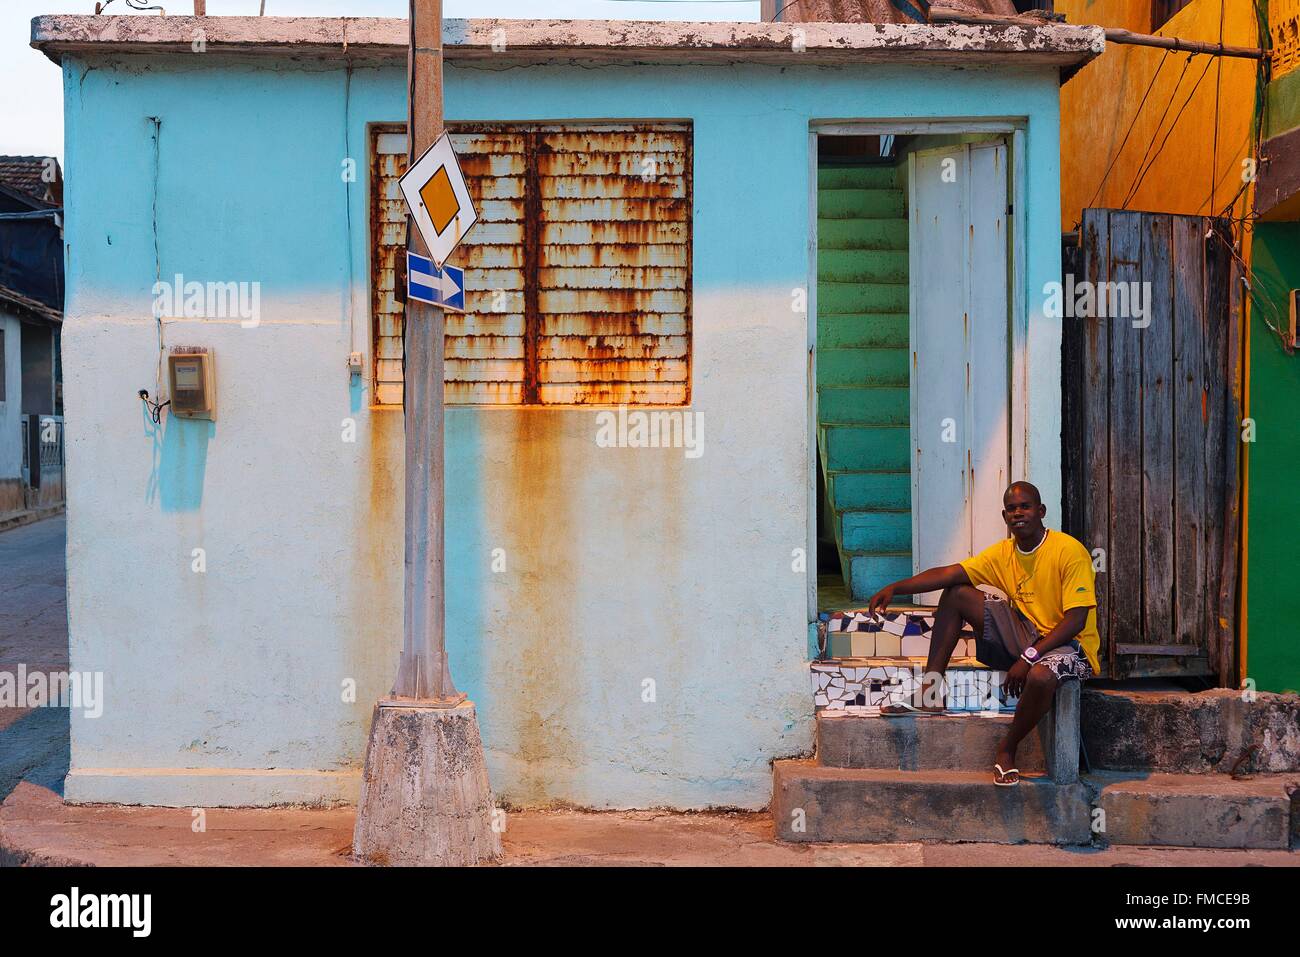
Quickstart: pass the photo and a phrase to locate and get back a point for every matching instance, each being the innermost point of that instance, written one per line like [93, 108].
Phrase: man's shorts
[1007, 633]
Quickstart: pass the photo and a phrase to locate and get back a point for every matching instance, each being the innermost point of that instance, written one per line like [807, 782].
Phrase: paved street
[33, 632]
[33, 602]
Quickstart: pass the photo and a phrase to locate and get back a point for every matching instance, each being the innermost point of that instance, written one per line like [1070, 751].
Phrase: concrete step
[863, 331]
[852, 298]
[854, 367]
[867, 489]
[875, 531]
[869, 203]
[864, 447]
[862, 265]
[862, 233]
[1218, 730]
[850, 805]
[858, 176]
[1197, 810]
[869, 573]
[932, 743]
[863, 405]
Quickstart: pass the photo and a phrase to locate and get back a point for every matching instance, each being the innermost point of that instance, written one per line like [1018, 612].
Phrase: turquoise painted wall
[621, 567]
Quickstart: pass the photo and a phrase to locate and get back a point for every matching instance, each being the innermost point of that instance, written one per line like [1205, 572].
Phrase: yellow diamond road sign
[435, 191]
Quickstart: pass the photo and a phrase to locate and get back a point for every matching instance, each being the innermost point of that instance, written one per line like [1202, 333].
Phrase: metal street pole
[425, 797]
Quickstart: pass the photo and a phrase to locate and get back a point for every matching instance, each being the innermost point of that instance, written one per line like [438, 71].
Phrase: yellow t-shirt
[1045, 585]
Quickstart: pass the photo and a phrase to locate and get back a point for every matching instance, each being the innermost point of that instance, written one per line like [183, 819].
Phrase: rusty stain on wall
[578, 285]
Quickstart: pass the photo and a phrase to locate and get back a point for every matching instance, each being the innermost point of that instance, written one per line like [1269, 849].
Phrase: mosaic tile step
[896, 632]
[871, 683]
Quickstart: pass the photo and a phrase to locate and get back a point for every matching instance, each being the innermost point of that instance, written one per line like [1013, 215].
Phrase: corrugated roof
[25, 174]
[27, 307]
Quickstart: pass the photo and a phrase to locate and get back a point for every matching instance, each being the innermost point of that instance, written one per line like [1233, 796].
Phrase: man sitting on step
[1046, 634]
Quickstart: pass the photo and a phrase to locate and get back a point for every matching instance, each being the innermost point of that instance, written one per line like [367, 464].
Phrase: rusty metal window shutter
[613, 274]
[387, 243]
[577, 275]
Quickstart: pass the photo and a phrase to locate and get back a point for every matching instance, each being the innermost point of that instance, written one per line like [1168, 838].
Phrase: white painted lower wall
[622, 566]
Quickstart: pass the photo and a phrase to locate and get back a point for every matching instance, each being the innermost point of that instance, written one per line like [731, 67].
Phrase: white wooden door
[960, 375]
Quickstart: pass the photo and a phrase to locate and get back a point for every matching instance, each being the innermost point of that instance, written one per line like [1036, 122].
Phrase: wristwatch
[1030, 655]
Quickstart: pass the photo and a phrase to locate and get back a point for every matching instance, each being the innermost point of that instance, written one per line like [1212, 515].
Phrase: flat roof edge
[511, 42]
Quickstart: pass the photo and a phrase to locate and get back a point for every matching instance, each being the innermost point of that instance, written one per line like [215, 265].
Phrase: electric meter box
[193, 383]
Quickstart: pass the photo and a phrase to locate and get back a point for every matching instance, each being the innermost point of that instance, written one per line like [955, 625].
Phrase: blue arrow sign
[453, 288]
[425, 282]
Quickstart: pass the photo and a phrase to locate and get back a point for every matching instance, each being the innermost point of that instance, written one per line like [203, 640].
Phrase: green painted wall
[862, 373]
[1283, 104]
[1273, 600]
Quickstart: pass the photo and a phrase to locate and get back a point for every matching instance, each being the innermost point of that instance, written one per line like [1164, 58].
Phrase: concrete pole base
[425, 798]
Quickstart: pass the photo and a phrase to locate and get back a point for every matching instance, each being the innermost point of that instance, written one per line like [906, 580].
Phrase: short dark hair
[1024, 487]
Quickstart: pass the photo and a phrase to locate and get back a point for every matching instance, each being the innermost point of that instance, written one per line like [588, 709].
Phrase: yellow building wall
[1099, 104]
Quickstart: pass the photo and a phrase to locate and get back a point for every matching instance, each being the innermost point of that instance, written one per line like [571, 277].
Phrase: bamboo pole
[940, 14]
[1186, 46]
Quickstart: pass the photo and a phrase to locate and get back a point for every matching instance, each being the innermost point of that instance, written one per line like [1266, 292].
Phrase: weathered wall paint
[1282, 111]
[1099, 104]
[1274, 604]
[621, 564]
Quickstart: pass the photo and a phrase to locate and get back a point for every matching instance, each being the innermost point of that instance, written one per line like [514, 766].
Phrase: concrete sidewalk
[37, 829]
[28, 516]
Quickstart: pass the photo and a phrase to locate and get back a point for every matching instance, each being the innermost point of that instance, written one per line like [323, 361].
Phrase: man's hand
[1016, 676]
[880, 600]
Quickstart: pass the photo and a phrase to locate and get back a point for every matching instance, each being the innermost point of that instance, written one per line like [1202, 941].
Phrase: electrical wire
[1173, 95]
[154, 408]
[1218, 95]
[1143, 173]
[1132, 125]
[133, 4]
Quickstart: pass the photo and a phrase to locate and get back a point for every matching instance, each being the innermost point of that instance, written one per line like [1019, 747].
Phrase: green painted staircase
[863, 434]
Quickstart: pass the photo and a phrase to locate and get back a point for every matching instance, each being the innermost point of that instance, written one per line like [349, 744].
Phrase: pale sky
[31, 90]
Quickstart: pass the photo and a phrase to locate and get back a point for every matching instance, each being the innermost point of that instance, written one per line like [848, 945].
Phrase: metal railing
[48, 445]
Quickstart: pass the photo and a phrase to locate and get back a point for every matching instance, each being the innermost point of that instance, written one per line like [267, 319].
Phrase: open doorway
[913, 351]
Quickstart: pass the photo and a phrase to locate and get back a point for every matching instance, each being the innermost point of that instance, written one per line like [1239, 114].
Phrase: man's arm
[932, 579]
[1074, 621]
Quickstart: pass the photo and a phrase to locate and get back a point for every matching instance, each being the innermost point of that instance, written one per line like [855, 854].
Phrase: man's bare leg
[957, 604]
[1035, 699]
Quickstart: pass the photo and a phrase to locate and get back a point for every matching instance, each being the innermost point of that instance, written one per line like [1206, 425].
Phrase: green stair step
[861, 234]
[863, 331]
[876, 532]
[862, 265]
[870, 573]
[881, 176]
[863, 405]
[841, 298]
[863, 490]
[860, 203]
[862, 366]
[865, 447]
[855, 366]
